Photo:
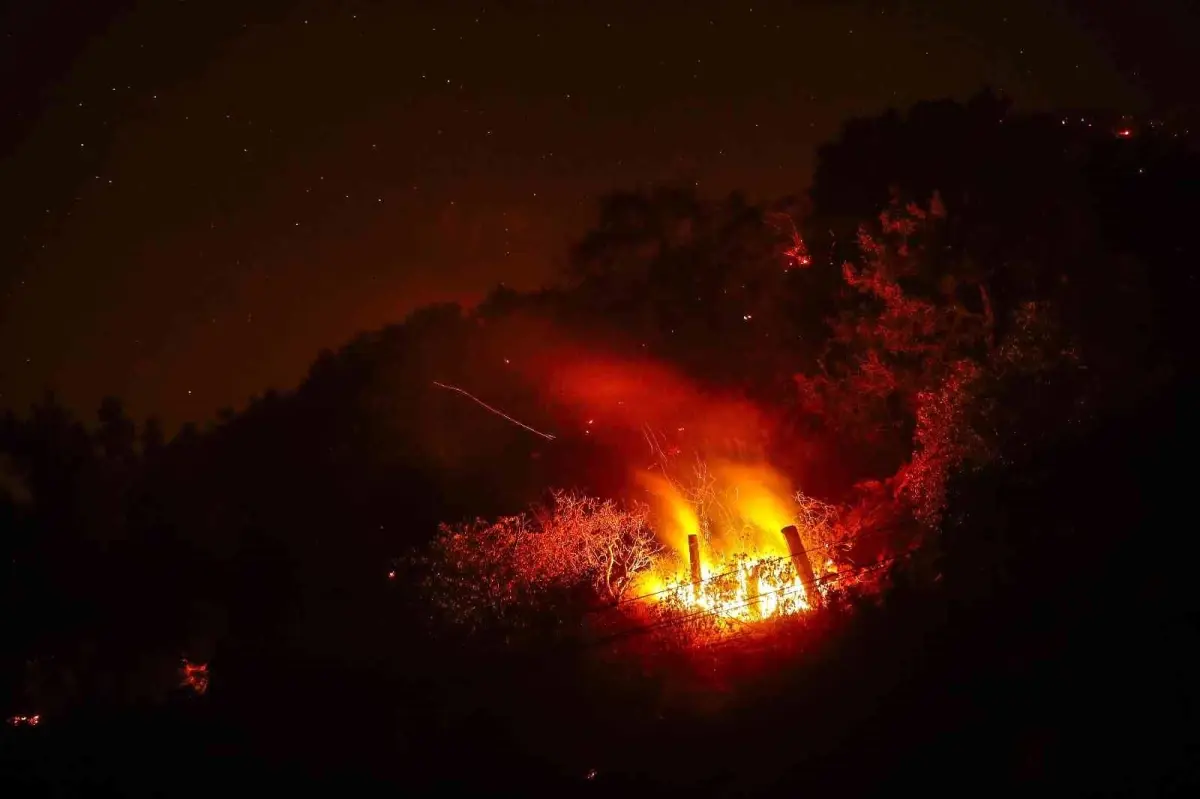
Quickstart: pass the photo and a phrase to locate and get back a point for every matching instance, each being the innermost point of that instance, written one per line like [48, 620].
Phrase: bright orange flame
[679, 519]
[747, 572]
[736, 507]
[744, 590]
[761, 498]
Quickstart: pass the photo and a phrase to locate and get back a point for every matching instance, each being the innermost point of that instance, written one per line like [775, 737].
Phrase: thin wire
[677, 620]
[773, 559]
[495, 411]
[674, 621]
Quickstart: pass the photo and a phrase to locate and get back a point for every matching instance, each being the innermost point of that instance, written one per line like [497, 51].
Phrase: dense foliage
[514, 563]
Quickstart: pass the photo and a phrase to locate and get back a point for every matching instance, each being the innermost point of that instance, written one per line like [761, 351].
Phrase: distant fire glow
[194, 676]
[24, 721]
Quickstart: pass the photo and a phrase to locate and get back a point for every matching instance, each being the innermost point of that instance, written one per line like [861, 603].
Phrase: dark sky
[197, 197]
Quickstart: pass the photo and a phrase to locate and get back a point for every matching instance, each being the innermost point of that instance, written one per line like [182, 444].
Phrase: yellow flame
[678, 516]
[747, 572]
[763, 495]
[746, 590]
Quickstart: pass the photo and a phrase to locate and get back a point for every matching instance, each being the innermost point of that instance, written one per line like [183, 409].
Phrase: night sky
[198, 197]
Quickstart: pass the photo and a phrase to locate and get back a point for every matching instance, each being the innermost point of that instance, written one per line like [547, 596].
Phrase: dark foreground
[1055, 654]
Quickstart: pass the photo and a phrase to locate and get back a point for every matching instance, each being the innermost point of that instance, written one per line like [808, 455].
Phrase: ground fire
[708, 532]
[735, 545]
[722, 548]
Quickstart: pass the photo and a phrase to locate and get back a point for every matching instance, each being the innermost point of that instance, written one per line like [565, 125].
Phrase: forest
[962, 362]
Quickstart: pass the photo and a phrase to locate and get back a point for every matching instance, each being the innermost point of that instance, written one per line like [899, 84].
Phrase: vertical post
[694, 558]
[754, 590]
[804, 568]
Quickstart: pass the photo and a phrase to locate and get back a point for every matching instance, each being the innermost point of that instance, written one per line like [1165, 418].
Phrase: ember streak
[494, 411]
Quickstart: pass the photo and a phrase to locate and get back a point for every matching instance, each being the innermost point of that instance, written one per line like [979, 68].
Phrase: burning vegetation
[709, 534]
[711, 550]
[483, 569]
[738, 545]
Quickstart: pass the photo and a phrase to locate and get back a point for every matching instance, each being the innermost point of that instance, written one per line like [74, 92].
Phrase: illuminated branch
[489, 570]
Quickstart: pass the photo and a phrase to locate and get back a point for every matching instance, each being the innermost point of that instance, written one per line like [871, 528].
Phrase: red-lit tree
[914, 360]
[486, 570]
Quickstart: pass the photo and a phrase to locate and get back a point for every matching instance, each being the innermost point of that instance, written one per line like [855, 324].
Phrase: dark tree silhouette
[1053, 206]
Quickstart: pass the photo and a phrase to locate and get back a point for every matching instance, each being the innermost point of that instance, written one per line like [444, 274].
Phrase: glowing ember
[24, 721]
[194, 676]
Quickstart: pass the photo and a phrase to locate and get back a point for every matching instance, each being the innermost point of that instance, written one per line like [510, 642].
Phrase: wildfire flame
[754, 589]
[735, 514]
[719, 518]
